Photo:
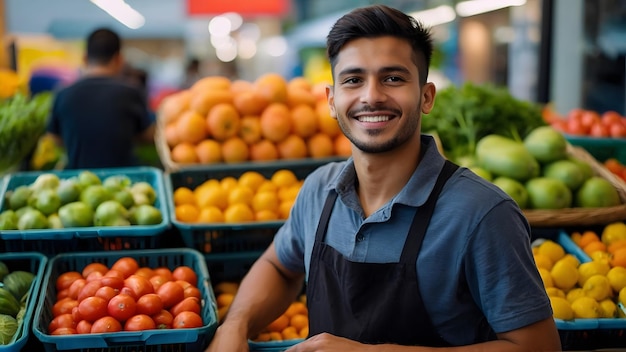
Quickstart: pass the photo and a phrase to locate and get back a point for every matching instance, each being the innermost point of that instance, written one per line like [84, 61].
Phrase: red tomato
[575, 127]
[559, 125]
[66, 279]
[599, 130]
[76, 314]
[106, 324]
[139, 322]
[589, 118]
[149, 304]
[158, 280]
[83, 327]
[92, 308]
[114, 273]
[189, 304]
[163, 271]
[94, 276]
[184, 284]
[611, 117]
[64, 306]
[617, 130]
[64, 331]
[163, 319]
[112, 281]
[62, 321]
[171, 293]
[192, 291]
[138, 285]
[145, 272]
[94, 267]
[185, 273]
[106, 292]
[122, 307]
[126, 265]
[64, 293]
[187, 320]
[76, 287]
[89, 290]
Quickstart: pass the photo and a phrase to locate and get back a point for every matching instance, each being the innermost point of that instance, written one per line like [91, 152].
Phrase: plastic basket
[35, 263]
[601, 148]
[94, 238]
[219, 238]
[196, 339]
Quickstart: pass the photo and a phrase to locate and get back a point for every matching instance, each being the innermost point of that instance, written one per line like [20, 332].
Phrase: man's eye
[351, 80]
[394, 79]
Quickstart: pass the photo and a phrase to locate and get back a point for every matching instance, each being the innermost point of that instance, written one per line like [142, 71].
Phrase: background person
[100, 117]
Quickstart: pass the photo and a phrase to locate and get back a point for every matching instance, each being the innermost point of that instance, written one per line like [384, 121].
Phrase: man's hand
[228, 339]
[325, 342]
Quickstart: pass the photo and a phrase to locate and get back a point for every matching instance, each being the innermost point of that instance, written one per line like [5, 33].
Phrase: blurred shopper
[398, 247]
[100, 117]
[192, 73]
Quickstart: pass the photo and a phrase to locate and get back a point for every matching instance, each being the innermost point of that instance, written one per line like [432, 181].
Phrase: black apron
[372, 303]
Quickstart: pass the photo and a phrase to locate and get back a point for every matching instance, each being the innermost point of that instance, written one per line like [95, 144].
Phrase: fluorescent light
[122, 12]
[435, 16]
[475, 7]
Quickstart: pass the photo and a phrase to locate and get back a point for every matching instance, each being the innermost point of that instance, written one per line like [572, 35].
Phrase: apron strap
[322, 226]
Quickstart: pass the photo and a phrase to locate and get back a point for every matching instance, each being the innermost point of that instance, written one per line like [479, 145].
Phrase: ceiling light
[475, 7]
[435, 16]
[122, 12]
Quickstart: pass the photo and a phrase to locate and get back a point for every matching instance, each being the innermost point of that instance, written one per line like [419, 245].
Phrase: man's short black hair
[102, 45]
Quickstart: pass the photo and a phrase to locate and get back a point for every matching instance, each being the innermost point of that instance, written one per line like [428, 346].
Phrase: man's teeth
[373, 118]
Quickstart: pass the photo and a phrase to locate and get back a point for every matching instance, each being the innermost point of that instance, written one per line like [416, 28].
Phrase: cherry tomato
[163, 271]
[126, 265]
[139, 322]
[106, 292]
[94, 267]
[193, 291]
[106, 324]
[184, 284]
[158, 280]
[611, 117]
[187, 320]
[76, 314]
[115, 273]
[185, 273]
[589, 118]
[138, 285]
[617, 130]
[66, 279]
[89, 290]
[62, 321]
[171, 293]
[145, 272]
[83, 327]
[122, 307]
[149, 304]
[163, 319]
[64, 306]
[92, 308]
[112, 281]
[93, 276]
[64, 331]
[76, 287]
[64, 293]
[189, 304]
[575, 127]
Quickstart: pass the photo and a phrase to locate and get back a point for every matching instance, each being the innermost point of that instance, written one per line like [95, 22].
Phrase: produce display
[218, 120]
[616, 167]
[125, 297]
[250, 197]
[589, 123]
[14, 293]
[81, 201]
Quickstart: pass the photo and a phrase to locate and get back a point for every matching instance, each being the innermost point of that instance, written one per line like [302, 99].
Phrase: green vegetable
[8, 303]
[18, 283]
[463, 115]
[8, 328]
[4, 270]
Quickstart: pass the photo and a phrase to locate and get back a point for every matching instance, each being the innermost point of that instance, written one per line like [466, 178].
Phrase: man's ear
[330, 97]
[428, 97]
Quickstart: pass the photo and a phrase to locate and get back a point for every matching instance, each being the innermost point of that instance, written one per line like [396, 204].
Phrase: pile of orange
[218, 120]
[250, 197]
[610, 245]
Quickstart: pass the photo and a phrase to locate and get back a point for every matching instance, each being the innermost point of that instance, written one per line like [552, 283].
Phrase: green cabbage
[8, 328]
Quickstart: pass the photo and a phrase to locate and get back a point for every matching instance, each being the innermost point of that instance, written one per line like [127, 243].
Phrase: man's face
[377, 98]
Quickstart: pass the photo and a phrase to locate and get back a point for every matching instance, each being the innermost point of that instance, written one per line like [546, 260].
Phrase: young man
[386, 268]
[100, 117]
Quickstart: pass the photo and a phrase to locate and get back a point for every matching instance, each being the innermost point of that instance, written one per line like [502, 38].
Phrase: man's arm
[540, 337]
[264, 293]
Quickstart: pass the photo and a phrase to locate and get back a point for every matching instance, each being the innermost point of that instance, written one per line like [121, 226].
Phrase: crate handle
[125, 338]
[88, 234]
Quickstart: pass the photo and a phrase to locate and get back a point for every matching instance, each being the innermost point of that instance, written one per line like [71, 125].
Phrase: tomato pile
[582, 122]
[125, 297]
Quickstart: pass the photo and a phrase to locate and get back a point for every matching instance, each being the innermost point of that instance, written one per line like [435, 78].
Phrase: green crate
[601, 148]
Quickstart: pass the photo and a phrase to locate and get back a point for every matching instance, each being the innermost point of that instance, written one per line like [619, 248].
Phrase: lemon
[588, 269]
[543, 261]
[617, 278]
[574, 294]
[553, 250]
[564, 275]
[597, 287]
[609, 308]
[571, 259]
[555, 292]
[586, 308]
[561, 308]
[546, 277]
[601, 256]
[240, 194]
[622, 296]
[613, 232]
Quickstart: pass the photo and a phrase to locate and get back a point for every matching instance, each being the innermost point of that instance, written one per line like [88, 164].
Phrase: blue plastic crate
[601, 148]
[93, 238]
[272, 346]
[35, 263]
[196, 339]
[219, 238]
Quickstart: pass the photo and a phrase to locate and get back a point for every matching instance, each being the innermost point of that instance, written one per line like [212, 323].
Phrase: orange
[184, 153]
[296, 308]
[289, 192]
[276, 122]
[211, 196]
[342, 145]
[252, 179]
[284, 208]
[224, 299]
[263, 337]
[284, 178]
[272, 87]
[279, 324]
[263, 150]
[229, 183]
[223, 121]
[235, 150]
[616, 245]
[588, 237]
[184, 195]
[268, 186]
[237, 213]
[619, 258]
[170, 134]
[210, 214]
[209, 151]
[265, 201]
[203, 101]
[211, 83]
[173, 105]
[266, 215]
[186, 213]
[299, 96]
[290, 333]
[292, 147]
[303, 120]
[299, 321]
[240, 194]
[320, 145]
[594, 246]
[327, 124]
[304, 333]
[250, 129]
[319, 91]
[190, 127]
[276, 336]
[240, 85]
[576, 236]
[250, 102]
[299, 82]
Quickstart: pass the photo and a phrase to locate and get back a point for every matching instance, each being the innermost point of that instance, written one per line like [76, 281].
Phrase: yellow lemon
[240, 194]
[617, 278]
[546, 277]
[609, 308]
[284, 178]
[543, 261]
[588, 269]
[552, 250]
[586, 308]
[597, 287]
[561, 308]
[570, 258]
[252, 179]
[555, 292]
[564, 275]
[229, 182]
[613, 232]
[574, 294]
[622, 296]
